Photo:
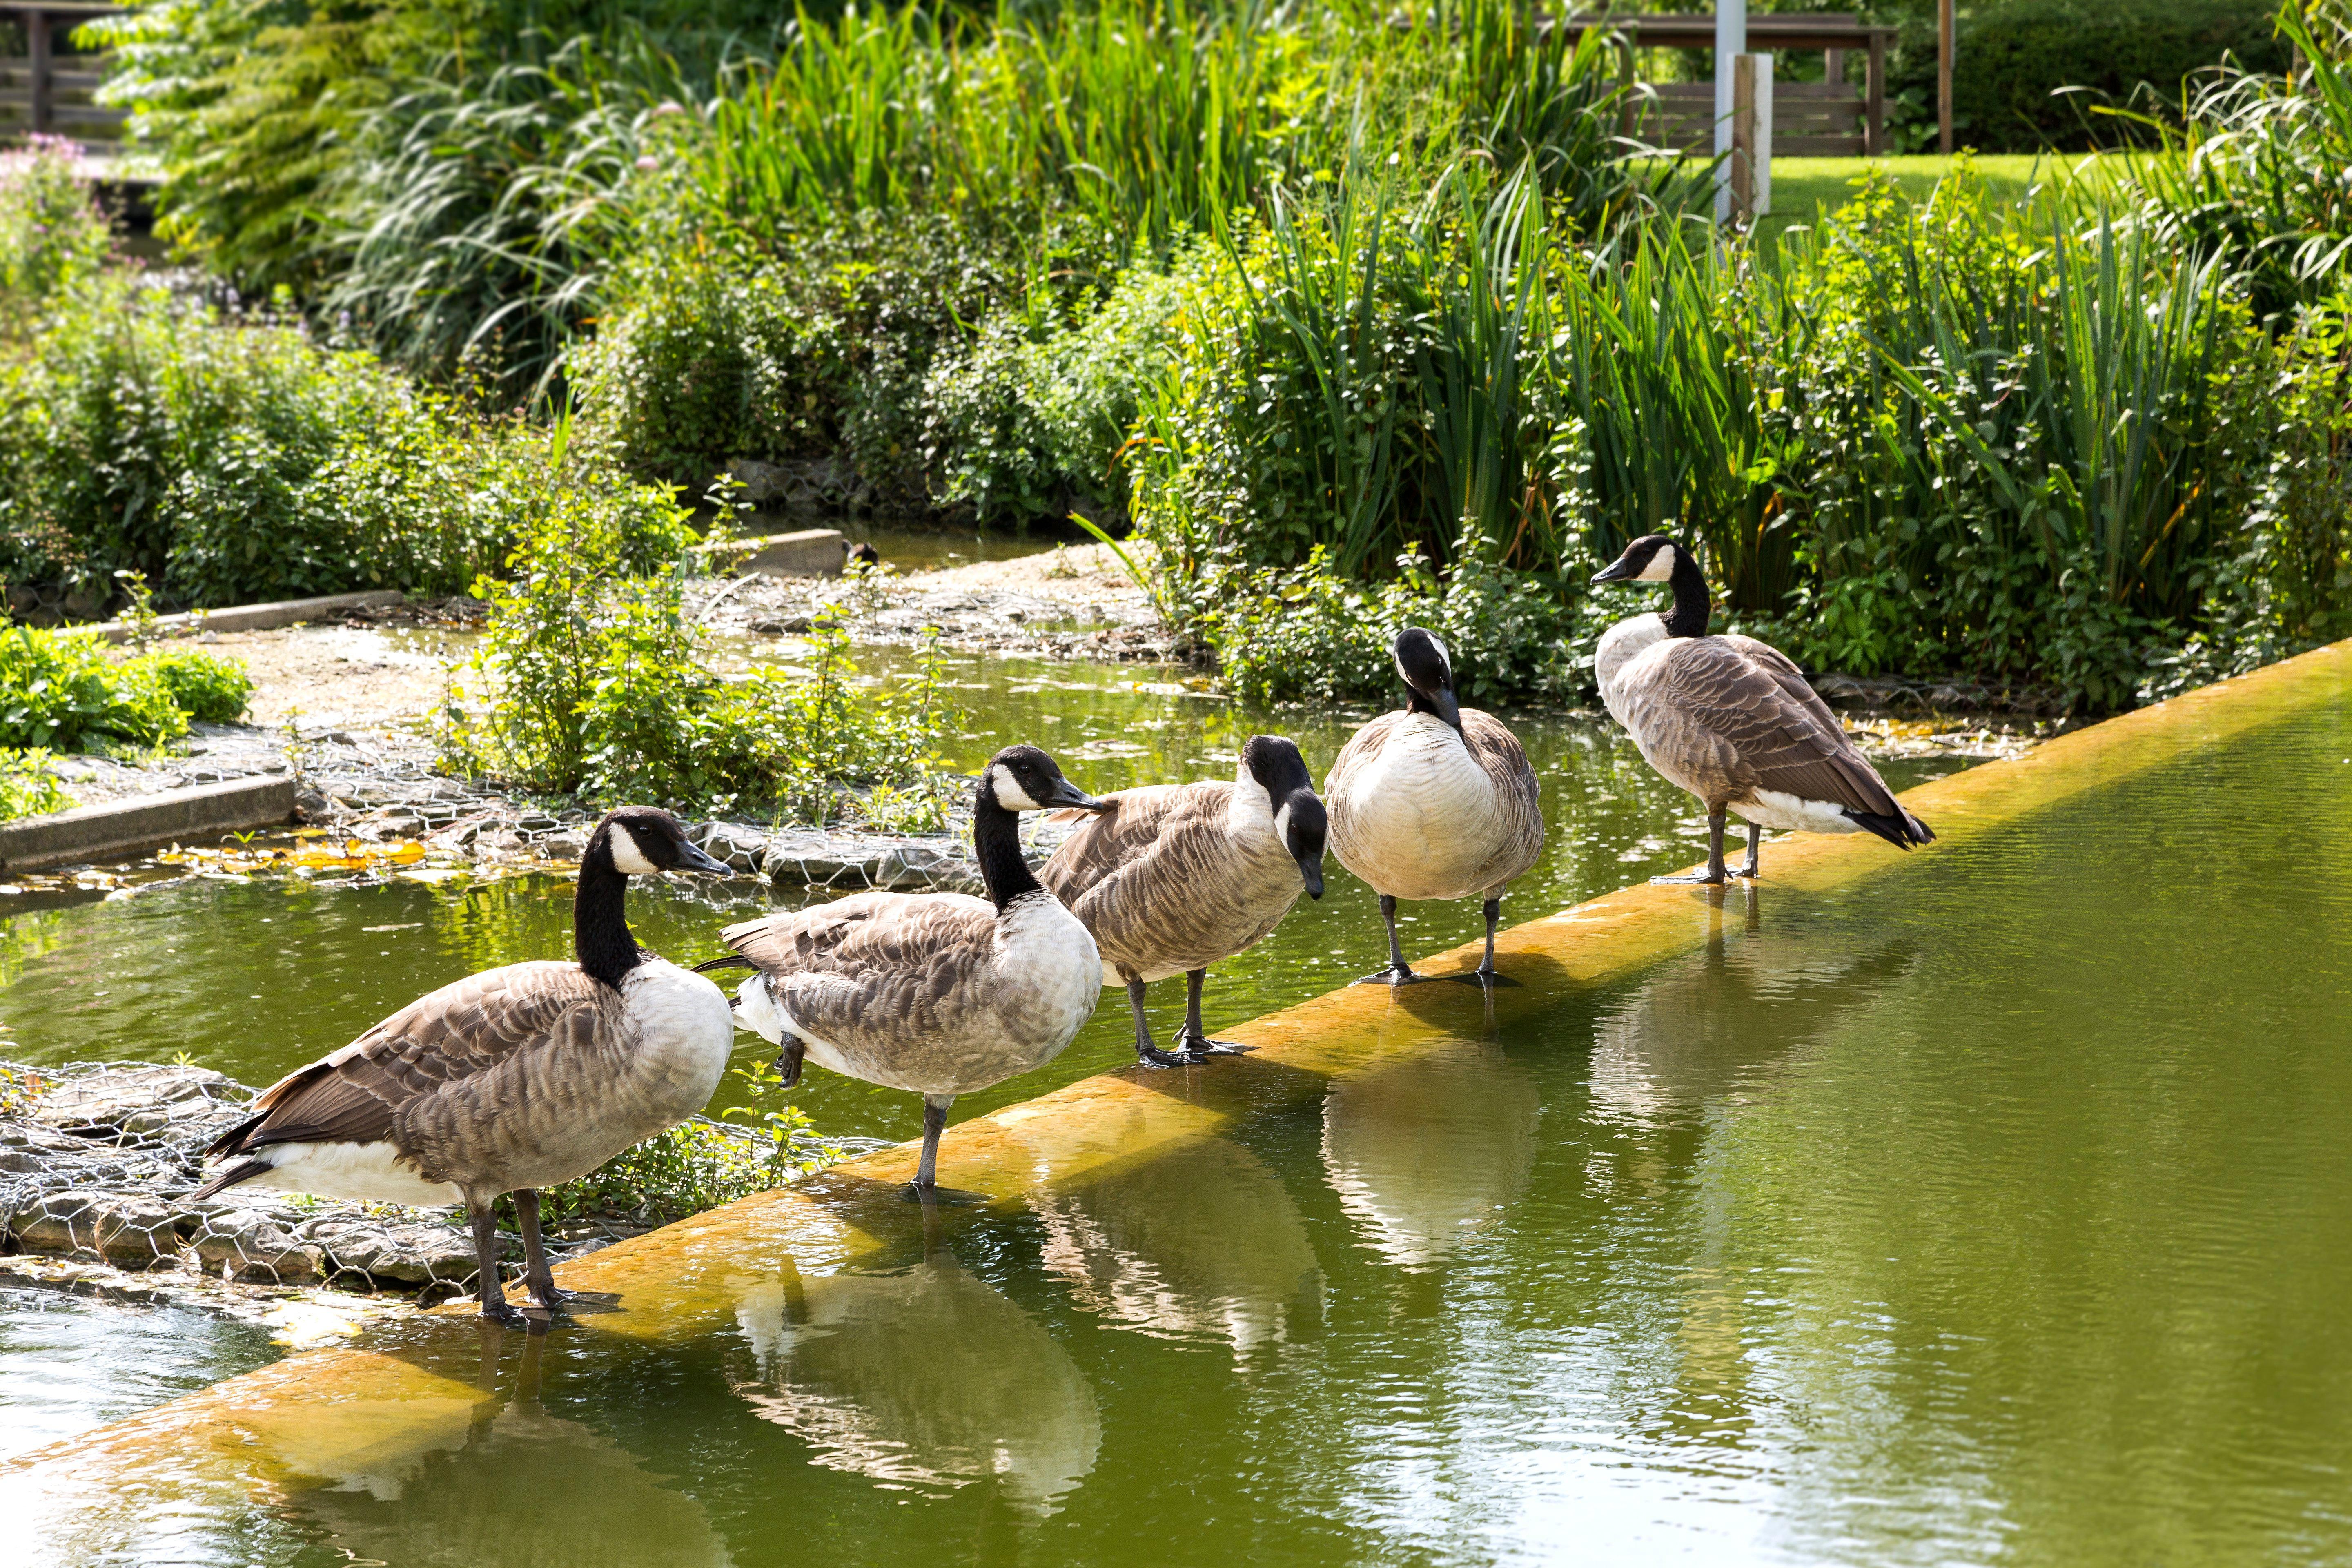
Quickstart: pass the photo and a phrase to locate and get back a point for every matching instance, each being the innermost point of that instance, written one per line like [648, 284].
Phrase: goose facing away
[1732, 721]
[509, 1081]
[1434, 800]
[1175, 877]
[940, 994]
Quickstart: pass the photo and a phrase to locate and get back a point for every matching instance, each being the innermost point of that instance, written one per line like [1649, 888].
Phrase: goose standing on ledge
[1434, 800]
[939, 993]
[1732, 721]
[1175, 877]
[509, 1081]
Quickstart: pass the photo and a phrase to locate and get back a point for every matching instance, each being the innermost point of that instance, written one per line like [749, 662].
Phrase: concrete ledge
[809, 553]
[254, 618]
[126, 826]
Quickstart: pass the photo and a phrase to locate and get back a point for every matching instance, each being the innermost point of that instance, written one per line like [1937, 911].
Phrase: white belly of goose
[1794, 814]
[685, 1034]
[1421, 821]
[357, 1173]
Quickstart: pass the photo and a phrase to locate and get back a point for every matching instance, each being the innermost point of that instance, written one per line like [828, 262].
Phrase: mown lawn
[1803, 188]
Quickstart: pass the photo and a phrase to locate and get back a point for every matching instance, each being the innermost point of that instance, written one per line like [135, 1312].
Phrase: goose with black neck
[509, 1081]
[1733, 720]
[1434, 800]
[935, 994]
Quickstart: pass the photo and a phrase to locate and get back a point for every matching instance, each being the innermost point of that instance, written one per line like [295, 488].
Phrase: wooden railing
[1829, 119]
[43, 93]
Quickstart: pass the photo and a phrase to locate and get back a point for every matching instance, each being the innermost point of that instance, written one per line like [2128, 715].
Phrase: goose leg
[1755, 843]
[790, 1049]
[1713, 875]
[1192, 1039]
[1147, 1053]
[487, 1285]
[1484, 974]
[539, 1276]
[1398, 972]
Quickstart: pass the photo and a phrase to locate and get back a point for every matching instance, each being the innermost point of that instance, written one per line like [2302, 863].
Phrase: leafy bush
[2016, 56]
[51, 230]
[29, 787]
[58, 690]
[209, 688]
[591, 679]
[234, 460]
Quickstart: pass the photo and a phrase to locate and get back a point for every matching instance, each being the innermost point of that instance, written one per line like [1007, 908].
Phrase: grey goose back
[1733, 720]
[509, 1081]
[1172, 878]
[937, 994]
[1434, 800]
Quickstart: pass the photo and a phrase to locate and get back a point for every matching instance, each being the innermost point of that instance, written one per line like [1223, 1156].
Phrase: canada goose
[1175, 877]
[1434, 800]
[1731, 719]
[508, 1081]
[941, 994]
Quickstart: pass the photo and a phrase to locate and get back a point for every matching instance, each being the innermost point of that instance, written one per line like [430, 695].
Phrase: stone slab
[198, 814]
[258, 617]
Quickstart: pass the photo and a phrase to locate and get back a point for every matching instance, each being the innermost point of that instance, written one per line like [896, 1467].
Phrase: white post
[1751, 138]
[1730, 43]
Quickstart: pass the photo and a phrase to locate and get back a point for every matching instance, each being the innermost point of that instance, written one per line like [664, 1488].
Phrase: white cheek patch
[1661, 567]
[1282, 826]
[1008, 791]
[627, 858]
[1444, 652]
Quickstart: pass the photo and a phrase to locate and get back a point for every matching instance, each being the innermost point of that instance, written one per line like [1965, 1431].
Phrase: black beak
[1447, 708]
[1310, 871]
[690, 859]
[1068, 793]
[1615, 572]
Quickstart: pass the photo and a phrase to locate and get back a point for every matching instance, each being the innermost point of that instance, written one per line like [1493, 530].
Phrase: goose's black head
[643, 840]
[1656, 558]
[1023, 778]
[1428, 672]
[1276, 765]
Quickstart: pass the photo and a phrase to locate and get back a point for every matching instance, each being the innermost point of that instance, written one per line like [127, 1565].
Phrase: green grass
[1805, 188]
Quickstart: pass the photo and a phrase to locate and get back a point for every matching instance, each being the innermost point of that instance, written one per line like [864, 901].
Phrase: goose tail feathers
[727, 961]
[1898, 827]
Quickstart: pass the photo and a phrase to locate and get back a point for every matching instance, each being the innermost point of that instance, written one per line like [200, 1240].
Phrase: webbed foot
[1688, 880]
[1153, 1057]
[1195, 1046]
[1482, 976]
[506, 1314]
[552, 1301]
[1392, 974]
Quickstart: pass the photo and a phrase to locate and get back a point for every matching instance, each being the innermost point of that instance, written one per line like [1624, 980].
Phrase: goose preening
[1175, 877]
[1732, 721]
[940, 994]
[509, 1081]
[1434, 800]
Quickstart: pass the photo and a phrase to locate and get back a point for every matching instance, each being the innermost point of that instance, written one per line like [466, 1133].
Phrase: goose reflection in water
[926, 1377]
[1424, 1151]
[1722, 1019]
[524, 1488]
[1199, 1243]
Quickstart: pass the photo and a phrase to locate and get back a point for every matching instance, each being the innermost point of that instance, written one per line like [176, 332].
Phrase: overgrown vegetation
[61, 691]
[591, 678]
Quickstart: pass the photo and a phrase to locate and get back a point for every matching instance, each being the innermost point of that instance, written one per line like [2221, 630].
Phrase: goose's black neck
[996, 840]
[600, 929]
[1689, 617]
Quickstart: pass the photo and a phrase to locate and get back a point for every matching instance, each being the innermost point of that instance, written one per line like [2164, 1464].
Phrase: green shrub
[233, 460]
[51, 230]
[29, 788]
[58, 690]
[209, 688]
[591, 679]
[2014, 57]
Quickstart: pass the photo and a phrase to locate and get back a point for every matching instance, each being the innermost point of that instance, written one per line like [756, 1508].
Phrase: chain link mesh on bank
[96, 1158]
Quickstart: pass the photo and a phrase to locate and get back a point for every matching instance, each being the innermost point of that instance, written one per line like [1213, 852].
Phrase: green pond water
[1992, 1209]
